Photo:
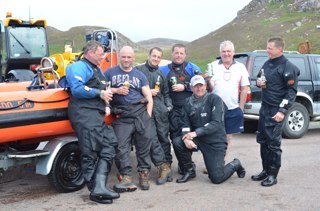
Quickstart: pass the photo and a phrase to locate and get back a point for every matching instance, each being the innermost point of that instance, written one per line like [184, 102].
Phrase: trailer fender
[44, 164]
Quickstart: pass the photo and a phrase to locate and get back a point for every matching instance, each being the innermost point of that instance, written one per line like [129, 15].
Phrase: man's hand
[190, 135]
[188, 140]
[154, 92]
[178, 87]
[106, 95]
[122, 90]
[190, 144]
[278, 117]
[260, 82]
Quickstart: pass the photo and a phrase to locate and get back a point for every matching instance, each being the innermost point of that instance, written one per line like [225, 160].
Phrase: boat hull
[27, 116]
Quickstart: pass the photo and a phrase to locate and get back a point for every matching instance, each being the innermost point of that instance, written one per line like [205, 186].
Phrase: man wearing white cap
[204, 130]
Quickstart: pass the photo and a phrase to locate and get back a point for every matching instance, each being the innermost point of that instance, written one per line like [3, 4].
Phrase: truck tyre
[65, 175]
[296, 122]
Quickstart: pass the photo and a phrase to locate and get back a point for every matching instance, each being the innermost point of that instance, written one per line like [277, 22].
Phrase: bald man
[132, 105]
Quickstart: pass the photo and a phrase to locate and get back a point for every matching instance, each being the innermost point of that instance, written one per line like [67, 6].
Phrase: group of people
[176, 104]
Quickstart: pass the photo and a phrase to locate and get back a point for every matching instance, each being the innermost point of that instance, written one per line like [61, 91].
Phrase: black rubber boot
[271, 179]
[241, 172]
[180, 169]
[189, 172]
[100, 199]
[90, 185]
[100, 189]
[99, 192]
[264, 153]
[262, 175]
[88, 165]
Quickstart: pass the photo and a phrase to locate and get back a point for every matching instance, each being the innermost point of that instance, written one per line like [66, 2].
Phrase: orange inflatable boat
[34, 111]
[34, 115]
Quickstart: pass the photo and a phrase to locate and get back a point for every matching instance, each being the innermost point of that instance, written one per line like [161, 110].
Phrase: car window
[242, 59]
[300, 63]
[257, 64]
[317, 66]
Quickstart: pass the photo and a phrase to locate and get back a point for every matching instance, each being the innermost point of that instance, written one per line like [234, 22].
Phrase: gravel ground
[297, 188]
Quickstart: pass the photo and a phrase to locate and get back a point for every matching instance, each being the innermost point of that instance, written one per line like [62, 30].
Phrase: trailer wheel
[65, 175]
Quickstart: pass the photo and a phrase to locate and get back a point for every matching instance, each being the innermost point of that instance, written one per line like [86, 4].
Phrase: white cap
[197, 80]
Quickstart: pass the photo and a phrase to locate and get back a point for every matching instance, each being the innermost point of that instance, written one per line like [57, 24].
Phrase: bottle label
[126, 84]
[209, 69]
[157, 86]
[173, 80]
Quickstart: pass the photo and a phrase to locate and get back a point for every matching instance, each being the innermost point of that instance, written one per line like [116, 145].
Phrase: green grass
[287, 18]
[141, 57]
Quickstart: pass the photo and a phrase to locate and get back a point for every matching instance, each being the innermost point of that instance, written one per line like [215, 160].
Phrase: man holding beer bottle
[161, 146]
[178, 75]
[278, 79]
[132, 106]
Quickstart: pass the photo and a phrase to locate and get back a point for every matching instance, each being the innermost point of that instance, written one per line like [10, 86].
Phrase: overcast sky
[137, 19]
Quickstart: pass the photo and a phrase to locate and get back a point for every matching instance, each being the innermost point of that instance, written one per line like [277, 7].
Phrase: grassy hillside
[77, 34]
[163, 43]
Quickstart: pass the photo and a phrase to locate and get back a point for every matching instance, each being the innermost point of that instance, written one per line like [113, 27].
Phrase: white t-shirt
[227, 82]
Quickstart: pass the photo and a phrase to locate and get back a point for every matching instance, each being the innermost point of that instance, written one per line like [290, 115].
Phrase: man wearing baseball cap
[204, 130]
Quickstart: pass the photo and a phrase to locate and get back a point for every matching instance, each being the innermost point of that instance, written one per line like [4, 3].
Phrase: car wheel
[296, 122]
[65, 175]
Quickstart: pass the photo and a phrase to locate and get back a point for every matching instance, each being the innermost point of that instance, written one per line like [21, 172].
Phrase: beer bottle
[126, 84]
[157, 85]
[263, 79]
[173, 80]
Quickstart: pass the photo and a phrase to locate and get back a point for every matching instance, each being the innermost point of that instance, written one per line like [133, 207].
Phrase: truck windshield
[26, 42]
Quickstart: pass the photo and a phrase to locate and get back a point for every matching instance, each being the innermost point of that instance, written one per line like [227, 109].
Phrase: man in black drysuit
[178, 74]
[87, 110]
[179, 89]
[278, 94]
[160, 151]
[204, 129]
